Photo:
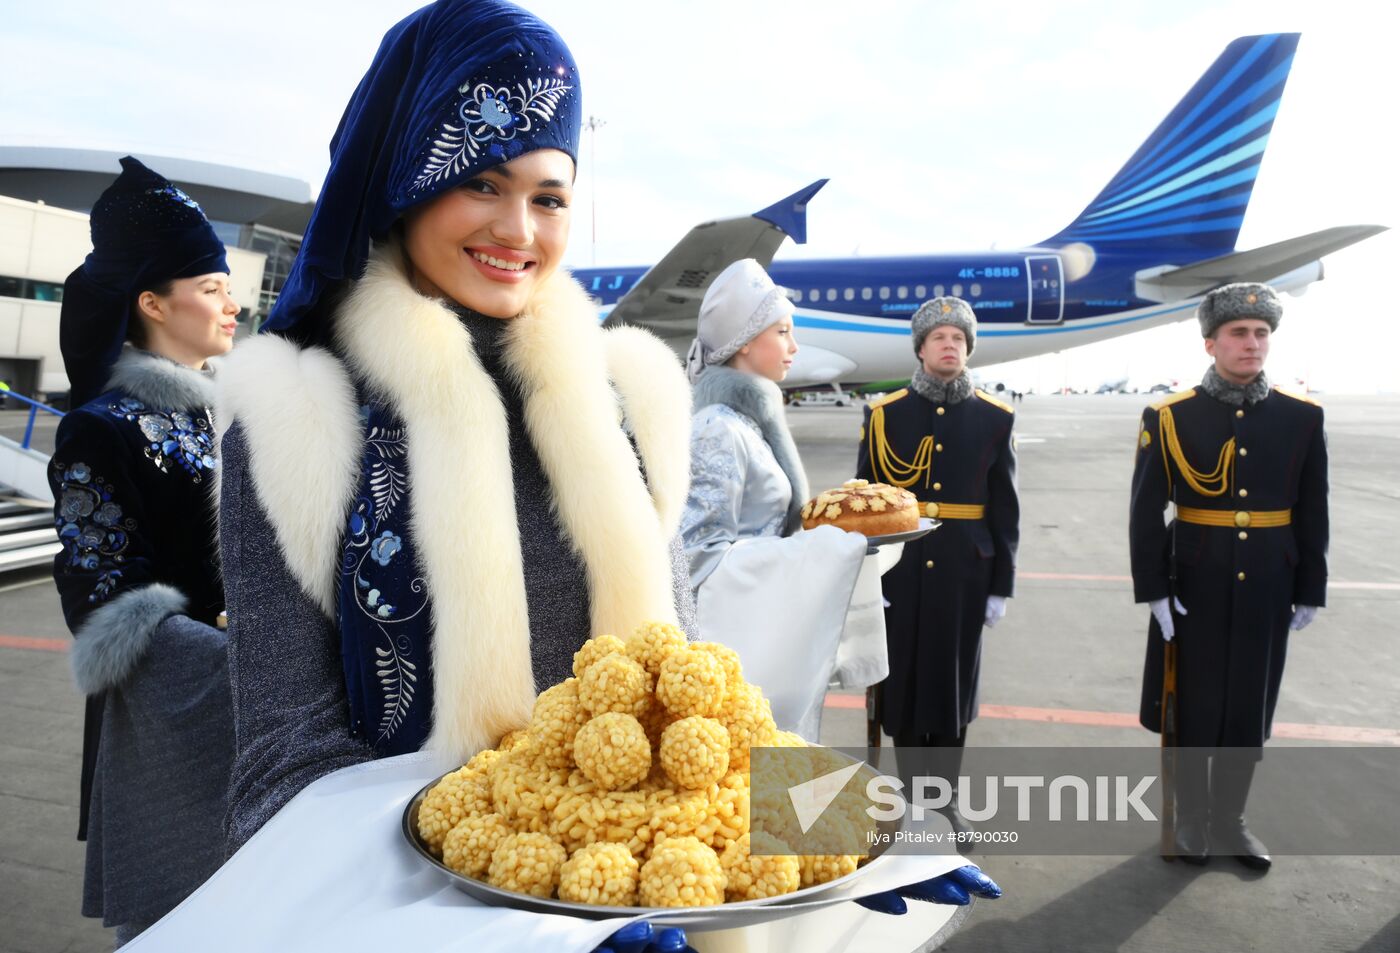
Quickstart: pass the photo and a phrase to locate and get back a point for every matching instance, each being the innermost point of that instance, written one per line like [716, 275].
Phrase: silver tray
[926, 526]
[722, 916]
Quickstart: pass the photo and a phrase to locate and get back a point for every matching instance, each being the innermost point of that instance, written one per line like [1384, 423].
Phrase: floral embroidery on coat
[91, 527]
[380, 586]
[172, 436]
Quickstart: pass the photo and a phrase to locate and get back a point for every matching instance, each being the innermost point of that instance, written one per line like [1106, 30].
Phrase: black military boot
[1192, 807]
[1231, 776]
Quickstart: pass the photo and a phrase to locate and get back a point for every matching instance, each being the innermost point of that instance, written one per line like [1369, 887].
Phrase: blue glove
[956, 887]
[642, 937]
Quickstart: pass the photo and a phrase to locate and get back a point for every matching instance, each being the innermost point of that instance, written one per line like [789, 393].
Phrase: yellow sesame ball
[465, 791]
[691, 682]
[613, 751]
[771, 873]
[652, 642]
[615, 682]
[555, 722]
[824, 868]
[695, 751]
[727, 657]
[593, 650]
[731, 810]
[469, 845]
[586, 815]
[749, 718]
[789, 739]
[602, 874]
[682, 872]
[527, 863]
[683, 814]
[525, 790]
[513, 739]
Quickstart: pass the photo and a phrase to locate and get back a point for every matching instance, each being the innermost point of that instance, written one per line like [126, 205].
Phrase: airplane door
[1047, 289]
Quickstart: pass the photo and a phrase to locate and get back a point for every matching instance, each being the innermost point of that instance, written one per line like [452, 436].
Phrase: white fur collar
[299, 414]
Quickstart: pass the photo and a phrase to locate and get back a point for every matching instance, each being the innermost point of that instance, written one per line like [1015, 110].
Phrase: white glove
[1302, 617]
[1164, 617]
[996, 609]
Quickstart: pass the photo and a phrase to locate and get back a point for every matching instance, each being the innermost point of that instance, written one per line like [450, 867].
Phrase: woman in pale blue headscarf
[777, 598]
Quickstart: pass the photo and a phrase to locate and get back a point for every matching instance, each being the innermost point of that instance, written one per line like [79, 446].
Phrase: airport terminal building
[45, 195]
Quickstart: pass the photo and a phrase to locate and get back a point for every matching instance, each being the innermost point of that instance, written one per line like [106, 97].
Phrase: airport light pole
[593, 125]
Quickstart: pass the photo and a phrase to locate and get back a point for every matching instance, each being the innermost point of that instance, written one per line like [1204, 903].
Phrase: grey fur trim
[1236, 302]
[160, 382]
[760, 400]
[112, 639]
[1236, 395]
[939, 391]
[939, 311]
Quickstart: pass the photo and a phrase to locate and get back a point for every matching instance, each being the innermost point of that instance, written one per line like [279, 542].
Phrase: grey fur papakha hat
[1244, 299]
[945, 310]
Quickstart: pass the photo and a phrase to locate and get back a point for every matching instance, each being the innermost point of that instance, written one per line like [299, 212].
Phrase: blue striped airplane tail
[1187, 186]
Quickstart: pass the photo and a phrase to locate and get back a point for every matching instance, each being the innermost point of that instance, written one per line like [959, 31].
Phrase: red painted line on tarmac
[1343, 734]
[37, 645]
[1071, 577]
[1093, 577]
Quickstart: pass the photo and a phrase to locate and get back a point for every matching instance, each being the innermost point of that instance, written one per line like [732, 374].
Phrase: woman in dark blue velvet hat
[430, 497]
[440, 475]
[138, 577]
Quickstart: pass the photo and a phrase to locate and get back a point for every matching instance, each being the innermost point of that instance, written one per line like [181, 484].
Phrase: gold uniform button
[938, 447]
[1244, 452]
[940, 411]
[1242, 518]
[1239, 413]
[1244, 535]
[931, 510]
[929, 564]
[1244, 493]
[1240, 577]
[938, 486]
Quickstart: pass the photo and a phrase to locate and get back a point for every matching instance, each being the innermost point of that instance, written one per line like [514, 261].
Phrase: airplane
[1143, 253]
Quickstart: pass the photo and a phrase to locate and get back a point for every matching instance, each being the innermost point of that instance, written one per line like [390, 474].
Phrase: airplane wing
[666, 300]
[1258, 264]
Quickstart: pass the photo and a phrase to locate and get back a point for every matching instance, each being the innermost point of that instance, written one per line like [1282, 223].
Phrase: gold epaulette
[1174, 398]
[890, 398]
[1296, 396]
[993, 401]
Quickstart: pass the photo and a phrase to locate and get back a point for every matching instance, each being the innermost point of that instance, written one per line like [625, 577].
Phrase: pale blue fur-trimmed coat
[777, 595]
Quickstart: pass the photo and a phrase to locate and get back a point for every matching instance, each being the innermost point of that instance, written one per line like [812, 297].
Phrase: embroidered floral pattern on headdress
[491, 116]
[175, 194]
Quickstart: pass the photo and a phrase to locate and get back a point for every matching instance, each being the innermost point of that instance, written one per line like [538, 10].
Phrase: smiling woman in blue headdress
[440, 475]
[138, 576]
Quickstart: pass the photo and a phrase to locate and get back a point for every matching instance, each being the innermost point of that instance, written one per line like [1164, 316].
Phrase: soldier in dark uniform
[1242, 562]
[951, 445]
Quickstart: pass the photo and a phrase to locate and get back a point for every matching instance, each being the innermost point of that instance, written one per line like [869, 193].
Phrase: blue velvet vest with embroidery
[385, 615]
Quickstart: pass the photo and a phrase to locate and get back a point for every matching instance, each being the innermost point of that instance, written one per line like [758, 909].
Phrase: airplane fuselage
[852, 315]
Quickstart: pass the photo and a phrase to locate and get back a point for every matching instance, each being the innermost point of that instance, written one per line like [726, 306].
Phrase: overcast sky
[944, 126]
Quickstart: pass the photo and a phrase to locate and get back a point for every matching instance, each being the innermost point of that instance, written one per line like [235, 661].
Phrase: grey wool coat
[556, 437]
[138, 579]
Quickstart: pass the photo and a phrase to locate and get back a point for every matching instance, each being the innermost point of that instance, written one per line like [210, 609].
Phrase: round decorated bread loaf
[871, 509]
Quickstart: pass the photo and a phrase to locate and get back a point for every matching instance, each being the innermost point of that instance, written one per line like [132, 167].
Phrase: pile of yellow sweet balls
[629, 787]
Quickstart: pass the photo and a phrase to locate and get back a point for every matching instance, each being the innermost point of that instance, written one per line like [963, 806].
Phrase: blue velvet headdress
[455, 88]
[145, 232]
